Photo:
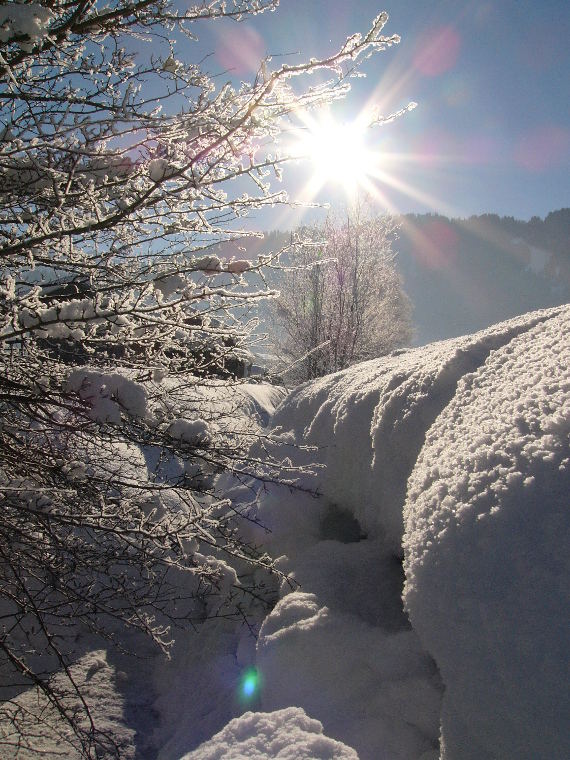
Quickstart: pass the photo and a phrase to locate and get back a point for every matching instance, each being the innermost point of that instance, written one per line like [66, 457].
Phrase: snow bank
[487, 551]
[369, 422]
[283, 735]
[47, 735]
[373, 689]
[477, 428]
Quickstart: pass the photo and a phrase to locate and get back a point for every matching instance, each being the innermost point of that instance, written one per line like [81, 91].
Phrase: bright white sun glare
[340, 153]
[337, 151]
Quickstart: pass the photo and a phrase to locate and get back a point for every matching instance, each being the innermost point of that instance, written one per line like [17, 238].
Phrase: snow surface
[238, 266]
[100, 682]
[158, 168]
[191, 431]
[107, 393]
[426, 552]
[284, 735]
[488, 555]
[456, 455]
[29, 19]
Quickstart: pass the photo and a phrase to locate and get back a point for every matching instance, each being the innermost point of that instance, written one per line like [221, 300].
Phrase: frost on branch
[122, 316]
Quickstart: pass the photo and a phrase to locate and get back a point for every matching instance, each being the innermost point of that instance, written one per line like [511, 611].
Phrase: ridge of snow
[386, 405]
[281, 735]
[488, 551]
[352, 661]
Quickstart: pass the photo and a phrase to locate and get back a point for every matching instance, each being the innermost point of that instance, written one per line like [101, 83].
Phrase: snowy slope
[455, 455]
[426, 555]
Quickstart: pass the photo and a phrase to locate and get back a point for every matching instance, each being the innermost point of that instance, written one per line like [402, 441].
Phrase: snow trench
[341, 645]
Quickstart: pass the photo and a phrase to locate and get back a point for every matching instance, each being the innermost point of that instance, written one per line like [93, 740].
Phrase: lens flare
[437, 51]
[249, 684]
[240, 50]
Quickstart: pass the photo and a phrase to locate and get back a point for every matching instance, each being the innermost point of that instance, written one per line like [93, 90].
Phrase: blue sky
[491, 132]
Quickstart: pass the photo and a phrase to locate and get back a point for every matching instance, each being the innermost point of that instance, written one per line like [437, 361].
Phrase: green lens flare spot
[249, 683]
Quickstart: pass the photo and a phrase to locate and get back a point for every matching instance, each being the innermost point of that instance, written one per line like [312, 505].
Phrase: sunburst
[337, 150]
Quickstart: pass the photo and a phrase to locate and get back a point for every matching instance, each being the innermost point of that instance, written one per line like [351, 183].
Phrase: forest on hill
[462, 275]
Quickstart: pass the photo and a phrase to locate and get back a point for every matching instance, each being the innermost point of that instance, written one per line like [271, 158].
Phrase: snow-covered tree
[119, 172]
[342, 300]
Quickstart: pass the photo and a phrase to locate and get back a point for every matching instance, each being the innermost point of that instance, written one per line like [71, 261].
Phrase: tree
[118, 174]
[341, 300]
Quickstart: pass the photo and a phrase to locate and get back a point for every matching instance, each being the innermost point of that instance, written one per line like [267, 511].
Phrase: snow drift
[424, 608]
[284, 735]
[452, 459]
[487, 551]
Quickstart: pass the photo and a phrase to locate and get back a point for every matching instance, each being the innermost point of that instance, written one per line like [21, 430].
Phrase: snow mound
[282, 735]
[372, 689]
[107, 394]
[369, 421]
[456, 455]
[191, 431]
[48, 736]
[487, 551]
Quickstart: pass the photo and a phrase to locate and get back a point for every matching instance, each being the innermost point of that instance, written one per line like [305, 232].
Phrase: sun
[352, 156]
[337, 151]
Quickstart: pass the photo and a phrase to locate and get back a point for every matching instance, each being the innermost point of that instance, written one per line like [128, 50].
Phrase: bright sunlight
[337, 150]
[341, 153]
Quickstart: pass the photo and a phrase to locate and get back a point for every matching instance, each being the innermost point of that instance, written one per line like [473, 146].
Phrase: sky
[491, 131]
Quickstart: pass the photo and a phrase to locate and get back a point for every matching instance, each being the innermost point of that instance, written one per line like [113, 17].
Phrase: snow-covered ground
[145, 702]
[425, 608]
[446, 478]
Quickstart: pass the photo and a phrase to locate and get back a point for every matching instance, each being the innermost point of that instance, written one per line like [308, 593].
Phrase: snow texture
[208, 264]
[238, 266]
[283, 735]
[71, 319]
[158, 169]
[191, 431]
[456, 455]
[487, 551]
[153, 708]
[27, 20]
[107, 394]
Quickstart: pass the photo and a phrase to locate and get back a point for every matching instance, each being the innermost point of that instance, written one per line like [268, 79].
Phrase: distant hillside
[463, 275]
